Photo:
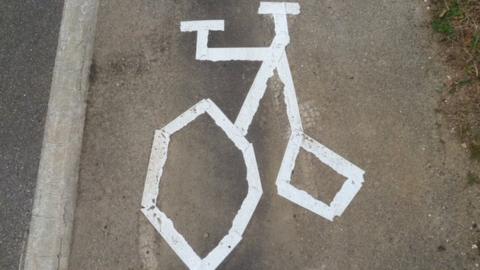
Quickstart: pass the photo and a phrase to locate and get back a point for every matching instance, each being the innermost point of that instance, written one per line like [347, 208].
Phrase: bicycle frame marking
[273, 58]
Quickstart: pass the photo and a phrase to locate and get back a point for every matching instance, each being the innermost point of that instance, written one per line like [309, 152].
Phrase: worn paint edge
[50, 235]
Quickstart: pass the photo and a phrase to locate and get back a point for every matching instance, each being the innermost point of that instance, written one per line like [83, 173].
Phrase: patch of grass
[472, 179]
[475, 41]
[475, 151]
[460, 83]
[463, 82]
[444, 22]
[444, 26]
[454, 11]
[458, 21]
[475, 145]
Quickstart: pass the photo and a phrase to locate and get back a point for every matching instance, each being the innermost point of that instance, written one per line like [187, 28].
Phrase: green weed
[472, 179]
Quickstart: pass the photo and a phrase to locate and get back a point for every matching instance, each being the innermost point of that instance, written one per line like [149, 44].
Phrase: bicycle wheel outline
[163, 224]
[342, 199]
[298, 140]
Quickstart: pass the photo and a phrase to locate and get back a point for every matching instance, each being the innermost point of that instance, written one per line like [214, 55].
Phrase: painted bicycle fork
[273, 58]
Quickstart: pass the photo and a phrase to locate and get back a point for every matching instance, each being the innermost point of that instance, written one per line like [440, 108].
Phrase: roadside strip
[49, 239]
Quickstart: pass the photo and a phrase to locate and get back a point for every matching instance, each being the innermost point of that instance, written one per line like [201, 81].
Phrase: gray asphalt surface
[366, 75]
[28, 40]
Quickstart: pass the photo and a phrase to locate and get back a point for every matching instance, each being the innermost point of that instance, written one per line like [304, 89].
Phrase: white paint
[279, 8]
[163, 224]
[342, 166]
[212, 25]
[272, 57]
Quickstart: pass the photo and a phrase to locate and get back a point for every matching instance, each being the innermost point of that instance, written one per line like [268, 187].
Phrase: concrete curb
[49, 240]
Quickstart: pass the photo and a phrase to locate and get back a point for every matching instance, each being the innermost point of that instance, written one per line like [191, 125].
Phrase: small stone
[464, 145]
[206, 235]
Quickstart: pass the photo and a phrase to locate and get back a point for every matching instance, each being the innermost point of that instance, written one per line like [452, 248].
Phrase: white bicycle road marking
[272, 57]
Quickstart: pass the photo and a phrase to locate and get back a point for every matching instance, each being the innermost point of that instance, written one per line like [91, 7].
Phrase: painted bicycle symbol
[272, 57]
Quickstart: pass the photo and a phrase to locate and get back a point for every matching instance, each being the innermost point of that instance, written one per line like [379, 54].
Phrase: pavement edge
[49, 240]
